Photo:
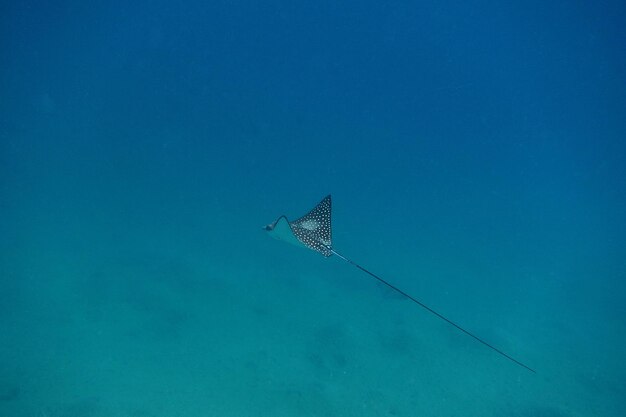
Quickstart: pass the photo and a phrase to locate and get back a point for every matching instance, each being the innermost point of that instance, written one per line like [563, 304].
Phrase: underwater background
[475, 152]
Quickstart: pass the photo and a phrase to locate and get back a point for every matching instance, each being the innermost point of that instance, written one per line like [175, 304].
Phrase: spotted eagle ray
[314, 231]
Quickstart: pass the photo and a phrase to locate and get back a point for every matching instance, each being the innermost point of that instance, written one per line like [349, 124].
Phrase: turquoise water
[475, 155]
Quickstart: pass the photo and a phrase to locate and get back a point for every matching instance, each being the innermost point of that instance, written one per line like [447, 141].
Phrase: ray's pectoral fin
[314, 229]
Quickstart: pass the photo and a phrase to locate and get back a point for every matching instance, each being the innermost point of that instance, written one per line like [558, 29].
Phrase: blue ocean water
[476, 157]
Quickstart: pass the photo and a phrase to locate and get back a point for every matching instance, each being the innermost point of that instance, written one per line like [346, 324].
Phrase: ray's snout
[269, 227]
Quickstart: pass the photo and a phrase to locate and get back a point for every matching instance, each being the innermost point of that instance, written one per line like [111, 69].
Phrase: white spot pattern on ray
[314, 228]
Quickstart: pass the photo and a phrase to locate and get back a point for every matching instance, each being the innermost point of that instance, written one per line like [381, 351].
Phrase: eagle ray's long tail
[432, 311]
